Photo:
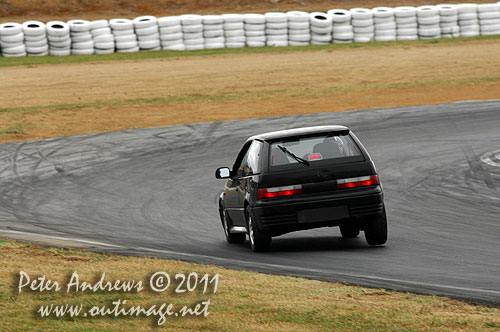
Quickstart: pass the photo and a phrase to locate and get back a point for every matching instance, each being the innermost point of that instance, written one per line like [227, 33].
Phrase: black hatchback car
[299, 179]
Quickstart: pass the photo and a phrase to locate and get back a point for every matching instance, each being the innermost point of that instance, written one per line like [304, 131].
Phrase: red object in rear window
[363, 181]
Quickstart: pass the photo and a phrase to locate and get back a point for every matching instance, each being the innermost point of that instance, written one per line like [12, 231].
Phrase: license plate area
[322, 214]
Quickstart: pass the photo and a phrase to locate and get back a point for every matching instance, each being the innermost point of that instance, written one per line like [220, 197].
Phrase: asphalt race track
[153, 192]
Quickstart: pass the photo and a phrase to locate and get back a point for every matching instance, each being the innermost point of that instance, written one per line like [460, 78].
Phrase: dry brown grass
[245, 301]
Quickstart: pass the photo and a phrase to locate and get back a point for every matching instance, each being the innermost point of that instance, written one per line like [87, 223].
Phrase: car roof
[304, 131]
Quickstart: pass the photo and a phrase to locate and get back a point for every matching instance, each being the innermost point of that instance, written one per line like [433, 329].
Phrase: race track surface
[153, 192]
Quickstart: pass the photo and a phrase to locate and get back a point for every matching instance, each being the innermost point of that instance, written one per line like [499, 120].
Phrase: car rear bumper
[291, 214]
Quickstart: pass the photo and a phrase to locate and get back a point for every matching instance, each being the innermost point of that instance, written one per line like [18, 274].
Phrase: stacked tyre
[448, 21]
[148, 35]
[171, 33]
[58, 34]
[213, 31]
[192, 32]
[428, 22]
[468, 20]
[124, 35]
[406, 23]
[12, 40]
[255, 30]
[321, 28]
[362, 24]
[104, 41]
[342, 28]
[35, 38]
[299, 28]
[82, 42]
[234, 30]
[489, 18]
[276, 29]
[385, 24]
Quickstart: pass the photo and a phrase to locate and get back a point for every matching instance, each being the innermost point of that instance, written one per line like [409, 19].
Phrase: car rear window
[314, 149]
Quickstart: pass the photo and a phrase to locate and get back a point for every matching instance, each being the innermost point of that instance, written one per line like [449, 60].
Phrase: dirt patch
[19, 10]
[67, 99]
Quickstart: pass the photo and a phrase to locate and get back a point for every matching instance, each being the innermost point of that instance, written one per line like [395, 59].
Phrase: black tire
[349, 230]
[376, 230]
[260, 242]
[231, 238]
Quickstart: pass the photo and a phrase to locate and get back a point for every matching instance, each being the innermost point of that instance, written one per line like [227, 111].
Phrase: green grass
[26, 61]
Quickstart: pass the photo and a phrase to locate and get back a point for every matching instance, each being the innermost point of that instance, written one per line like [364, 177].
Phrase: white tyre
[232, 18]
[5, 44]
[12, 55]
[427, 11]
[172, 29]
[191, 19]
[467, 16]
[146, 31]
[83, 45]
[127, 45]
[209, 27]
[212, 46]
[146, 21]
[171, 42]
[298, 43]
[470, 28]
[129, 50]
[10, 29]
[277, 38]
[176, 47]
[297, 17]
[169, 21]
[212, 19]
[104, 45]
[468, 22]
[213, 33]
[235, 45]
[407, 26]
[383, 12]
[236, 33]
[256, 39]
[488, 7]
[381, 20]
[154, 36]
[19, 38]
[255, 33]
[192, 28]
[218, 40]
[35, 38]
[385, 38]
[277, 43]
[340, 15]
[79, 25]
[369, 29]
[343, 36]
[406, 20]
[467, 8]
[490, 28]
[276, 17]
[299, 25]
[57, 28]
[81, 39]
[469, 33]
[124, 39]
[447, 10]
[255, 27]
[194, 35]
[409, 37]
[407, 32]
[38, 43]
[100, 32]
[490, 33]
[240, 39]
[195, 47]
[490, 22]
[33, 28]
[451, 18]
[14, 50]
[321, 38]
[99, 24]
[254, 18]
[82, 51]
[300, 38]
[123, 32]
[104, 39]
[427, 20]
[321, 20]
[362, 23]
[148, 44]
[489, 15]
[282, 25]
[60, 52]
[194, 41]
[172, 36]
[256, 44]
[321, 30]
[405, 11]
[385, 26]
[361, 13]
[391, 32]
[292, 32]
[424, 32]
[104, 51]
[342, 41]
[342, 29]
[121, 24]
[362, 39]
[61, 44]
[39, 54]
[234, 26]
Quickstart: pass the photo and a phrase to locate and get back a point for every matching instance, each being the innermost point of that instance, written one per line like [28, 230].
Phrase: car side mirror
[223, 173]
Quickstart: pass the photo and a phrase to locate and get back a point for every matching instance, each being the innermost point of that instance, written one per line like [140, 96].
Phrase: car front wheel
[376, 230]
[259, 241]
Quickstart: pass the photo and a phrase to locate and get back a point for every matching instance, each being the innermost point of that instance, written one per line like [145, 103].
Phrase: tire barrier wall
[294, 28]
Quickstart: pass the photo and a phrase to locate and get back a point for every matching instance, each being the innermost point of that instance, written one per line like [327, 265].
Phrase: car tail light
[357, 182]
[280, 191]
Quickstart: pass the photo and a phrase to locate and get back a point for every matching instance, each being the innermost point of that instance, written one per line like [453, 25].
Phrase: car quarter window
[252, 165]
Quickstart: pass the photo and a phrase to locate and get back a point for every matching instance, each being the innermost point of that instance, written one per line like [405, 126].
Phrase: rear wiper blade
[291, 154]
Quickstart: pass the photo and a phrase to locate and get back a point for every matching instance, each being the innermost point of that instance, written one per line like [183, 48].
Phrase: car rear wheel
[349, 230]
[231, 238]
[259, 241]
[376, 230]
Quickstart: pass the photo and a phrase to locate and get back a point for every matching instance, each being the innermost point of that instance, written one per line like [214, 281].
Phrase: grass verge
[244, 301]
[25, 61]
